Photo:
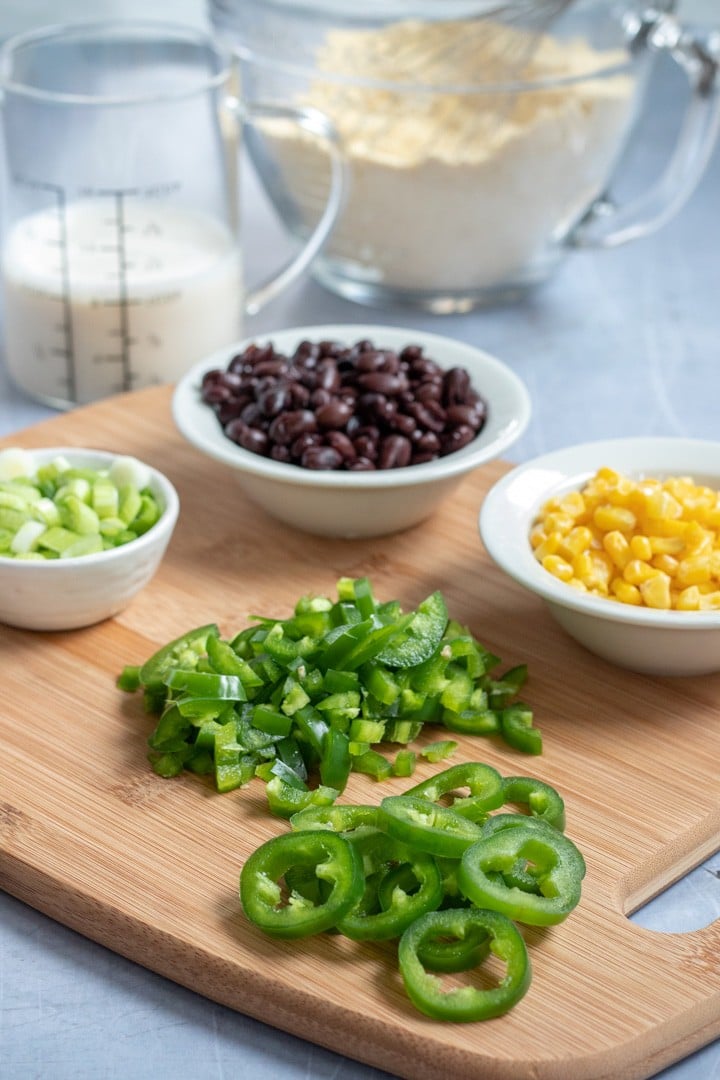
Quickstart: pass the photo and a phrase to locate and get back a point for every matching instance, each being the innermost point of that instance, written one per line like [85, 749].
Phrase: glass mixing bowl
[480, 149]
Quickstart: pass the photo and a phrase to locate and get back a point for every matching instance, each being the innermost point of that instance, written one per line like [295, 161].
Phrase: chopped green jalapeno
[466, 1003]
[516, 723]
[332, 681]
[331, 858]
[184, 651]
[556, 865]
[419, 639]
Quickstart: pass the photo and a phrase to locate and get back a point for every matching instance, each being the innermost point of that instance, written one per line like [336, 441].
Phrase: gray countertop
[621, 342]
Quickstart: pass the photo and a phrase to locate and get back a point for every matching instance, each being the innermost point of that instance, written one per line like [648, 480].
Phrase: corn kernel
[666, 545]
[688, 599]
[577, 540]
[594, 569]
[558, 567]
[710, 601]
[609, 518]
[549, 546]
[557, 522]
[667, 563]
[638, 571]
[661, 505]
[698, 540]
[656, 592]
[641, 547]
[572, 504]
[694, 570]
[626, 593]
[617, 548]
[537, 536]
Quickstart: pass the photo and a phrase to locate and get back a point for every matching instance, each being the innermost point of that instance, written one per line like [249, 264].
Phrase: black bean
[361, 464]
[285, 428]
[340, 442]
[335, 414]
[321, 457]
[366, 447]
[421, 457]
[280, 453]
[274, 400]
[320, 397]
[308, 438]
[463, 414]
[457, 438]
[404, 424]
[299, 395]
[428, 443]
[328, 376]
[269, 367]
[214, 392]
[428, 414]
[456, 385]
[429, 391]
[395, 452]
[383, 382]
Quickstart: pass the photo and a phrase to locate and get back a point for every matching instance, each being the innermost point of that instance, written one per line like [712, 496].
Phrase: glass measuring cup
[121, 244]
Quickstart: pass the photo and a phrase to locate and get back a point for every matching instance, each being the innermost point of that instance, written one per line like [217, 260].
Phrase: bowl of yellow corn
[621, 539]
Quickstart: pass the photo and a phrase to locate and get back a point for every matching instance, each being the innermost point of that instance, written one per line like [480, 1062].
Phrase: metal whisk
[490, 45]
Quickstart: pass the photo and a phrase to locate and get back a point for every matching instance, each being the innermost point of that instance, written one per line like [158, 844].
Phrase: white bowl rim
[166, 520]
[199, 425]
[511, 504]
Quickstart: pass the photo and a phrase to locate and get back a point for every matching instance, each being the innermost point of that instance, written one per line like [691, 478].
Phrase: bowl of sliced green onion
[81, 532]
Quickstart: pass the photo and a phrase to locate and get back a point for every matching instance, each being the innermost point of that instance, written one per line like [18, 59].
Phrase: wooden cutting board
[149, 867]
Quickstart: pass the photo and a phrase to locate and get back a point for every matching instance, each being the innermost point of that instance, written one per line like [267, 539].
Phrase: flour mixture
[464, 188]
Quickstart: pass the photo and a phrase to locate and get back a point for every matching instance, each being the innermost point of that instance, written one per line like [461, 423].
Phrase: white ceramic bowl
[358, 504]
[642, 639]
[64, 594]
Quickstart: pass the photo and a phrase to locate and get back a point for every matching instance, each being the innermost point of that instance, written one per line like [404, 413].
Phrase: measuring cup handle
[318, 124]
[608, 225]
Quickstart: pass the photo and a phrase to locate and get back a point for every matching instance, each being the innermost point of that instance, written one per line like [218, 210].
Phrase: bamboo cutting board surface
[149, 867]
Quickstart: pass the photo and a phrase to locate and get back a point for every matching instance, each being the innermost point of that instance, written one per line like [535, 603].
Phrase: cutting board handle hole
[692, 903]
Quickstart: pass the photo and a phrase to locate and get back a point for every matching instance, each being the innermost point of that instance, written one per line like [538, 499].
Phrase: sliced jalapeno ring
[331, 858]
[550, 857]
[381, 921]
[542, 800]
[466, 1003]
[484, 783]
[426, 826]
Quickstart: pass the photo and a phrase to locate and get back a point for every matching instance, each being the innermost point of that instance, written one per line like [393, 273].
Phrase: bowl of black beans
[351, 431]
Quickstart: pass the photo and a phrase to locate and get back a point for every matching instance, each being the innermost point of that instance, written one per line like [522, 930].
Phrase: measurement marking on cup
[123, 291]
[68, 352]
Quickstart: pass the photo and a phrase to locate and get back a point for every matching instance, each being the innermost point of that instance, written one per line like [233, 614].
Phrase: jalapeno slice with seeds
[404, 901]
[332, 860]
[426, 826]
[484, 783]
[465, 1003]
[547, 856]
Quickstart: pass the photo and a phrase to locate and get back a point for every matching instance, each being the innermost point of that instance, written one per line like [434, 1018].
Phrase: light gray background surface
[621, 342]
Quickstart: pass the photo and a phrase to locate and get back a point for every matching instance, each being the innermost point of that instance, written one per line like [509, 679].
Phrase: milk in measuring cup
[113, 294]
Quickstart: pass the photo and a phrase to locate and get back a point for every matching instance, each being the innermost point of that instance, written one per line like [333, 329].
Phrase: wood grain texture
[149, 867]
